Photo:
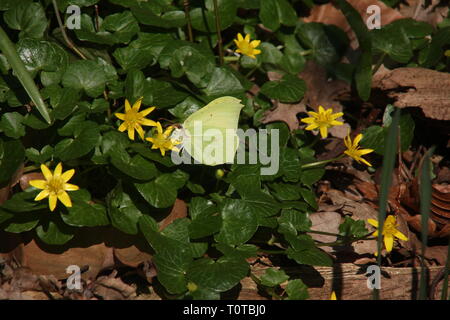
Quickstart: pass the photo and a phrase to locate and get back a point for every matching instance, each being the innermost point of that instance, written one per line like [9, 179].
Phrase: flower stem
[320, 163]
[188, 19]
[231, 58]
[219, 35]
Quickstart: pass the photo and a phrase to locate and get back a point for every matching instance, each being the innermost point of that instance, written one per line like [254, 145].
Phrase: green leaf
[353, 228]
[11, 125]
[123, 211]
[393, 41]
[289, 89]
[162, 94]
[28, 17]
[12, 154]
[223, 83]
[54, 232]
[220, 275]
[136, 166]
[291, 221]
[160, 193]
[314, 36]
[311, 256]
[134, 85]
[276, 12]
[115, 28]
[84, 214]
[197, 67]
[439, 40]
[285, 191]
[239, 224]
[85, 75]
[22, 222]
[203, 19]
[152, 14]
[297, 290]
[39, 156]
[273, 277]
[85, 137]
[363, 73]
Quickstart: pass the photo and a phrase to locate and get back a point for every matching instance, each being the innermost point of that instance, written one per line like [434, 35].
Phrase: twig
[69, 42]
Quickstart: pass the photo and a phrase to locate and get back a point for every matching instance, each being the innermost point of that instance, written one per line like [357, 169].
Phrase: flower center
[323, 120]
[389, 228]
[55, 185]
[132, 117]
[245, 47]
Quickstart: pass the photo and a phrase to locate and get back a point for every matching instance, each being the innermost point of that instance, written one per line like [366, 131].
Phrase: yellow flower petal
[147, 122]
[247, 38]
[46, 172]
[401, 236]
[43, 194]
[312, 126]
[140, 131]
[388, 242]
[255, 43]
[52, 199]
[121, 116]
[66, 176]
[240, 37]
[40, 184]
[65, 199]
[323, 132]
[127, 106]
[146, 111]
[131, 133]
[123, 127]
[333, 296]
[137, 104]
[308, 120]
[70, 187]
[373, 222]
[357, 139]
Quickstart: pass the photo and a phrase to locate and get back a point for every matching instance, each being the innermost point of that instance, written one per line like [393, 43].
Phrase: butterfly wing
[210, 132]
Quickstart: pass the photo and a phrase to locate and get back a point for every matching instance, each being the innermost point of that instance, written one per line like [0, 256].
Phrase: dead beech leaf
[25, 179]
[131, 256]
[111, 288]
[418, 87]
[179, 210]
[325, 222]
[433, 13]
[329, 14]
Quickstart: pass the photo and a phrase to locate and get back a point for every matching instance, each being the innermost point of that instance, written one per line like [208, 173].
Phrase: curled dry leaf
[325, 222]
[329, 14]
[111, 288]
[418, 87]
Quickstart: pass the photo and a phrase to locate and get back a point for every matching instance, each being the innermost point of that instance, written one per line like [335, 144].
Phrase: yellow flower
[246, 47]
[55, 186]
[162, 140]
[447, 53]
[133, 119]
[353, 149]
[333, 296]
[389, 232]
[323, 120]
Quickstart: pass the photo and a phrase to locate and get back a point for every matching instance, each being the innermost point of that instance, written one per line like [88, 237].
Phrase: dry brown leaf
[418, 87]
[325, 222]
[433, 14]
[111, 288]
[179, 210]
[329, 14]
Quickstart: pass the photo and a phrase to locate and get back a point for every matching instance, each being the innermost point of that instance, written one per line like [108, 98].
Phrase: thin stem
[188, 18]
[219, 35]
[321, 163]
[69, 42]
[231, 58]
[379, 63]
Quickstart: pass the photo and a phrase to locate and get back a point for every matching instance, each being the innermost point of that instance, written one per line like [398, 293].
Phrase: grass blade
[9, 50]
[390, 152]
[425, 201]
